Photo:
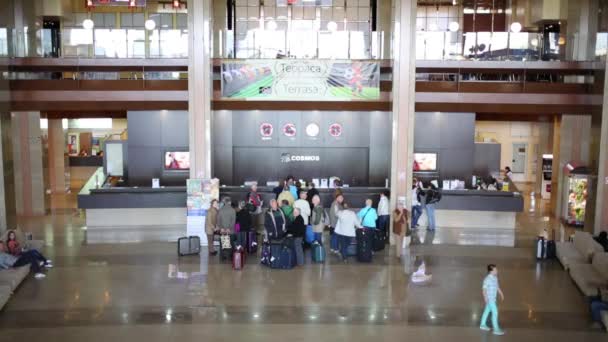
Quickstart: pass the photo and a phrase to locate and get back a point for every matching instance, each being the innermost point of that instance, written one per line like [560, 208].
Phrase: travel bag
[318, 253]
[551, 250]
[351, 250]
[310, 234]
[225, 247]
[541, 248]
[190, 245]
[365, 239]
[238, 259]
[252, 242]
[266, 254]
[379, 240]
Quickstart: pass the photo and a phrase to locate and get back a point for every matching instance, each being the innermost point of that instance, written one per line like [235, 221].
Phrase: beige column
[601, 153]
[56, 156]
[545, 146]
[27, 156]
[200, 86]
[555, 176]
[403, 97]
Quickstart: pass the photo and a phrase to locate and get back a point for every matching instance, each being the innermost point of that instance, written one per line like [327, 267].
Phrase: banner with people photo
[199, 194]
[297, 80]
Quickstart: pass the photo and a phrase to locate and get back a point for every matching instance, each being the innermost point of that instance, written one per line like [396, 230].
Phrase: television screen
[176, 161]
[425, 161]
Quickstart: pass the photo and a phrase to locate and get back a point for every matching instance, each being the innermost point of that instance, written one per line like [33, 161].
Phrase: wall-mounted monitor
[425, 162]
[176, 161]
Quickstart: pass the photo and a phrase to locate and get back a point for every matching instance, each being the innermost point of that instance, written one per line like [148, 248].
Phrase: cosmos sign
[289, 158]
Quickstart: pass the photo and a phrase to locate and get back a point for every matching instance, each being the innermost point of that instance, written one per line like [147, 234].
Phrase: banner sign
[199, 194]
[125, 3]
[297, 80]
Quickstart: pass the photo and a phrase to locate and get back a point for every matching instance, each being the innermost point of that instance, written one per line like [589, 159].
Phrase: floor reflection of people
[421, 276]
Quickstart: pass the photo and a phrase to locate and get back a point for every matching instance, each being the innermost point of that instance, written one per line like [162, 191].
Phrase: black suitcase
[379, 240]
[365, 239]
[541, 248]
[190, 245]
[551, 250]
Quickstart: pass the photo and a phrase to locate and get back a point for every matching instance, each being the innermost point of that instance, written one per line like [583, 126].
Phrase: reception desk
[166, 206]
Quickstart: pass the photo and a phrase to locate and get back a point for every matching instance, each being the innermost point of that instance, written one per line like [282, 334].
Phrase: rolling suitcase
[351, 250]
[310, 234]
[541, 248]
[225, 247]
[276, 247]
[252, 242]
[551, 252]
[318, 253]
[287, 258]
[190, 245]
[266, 255]
[379, 240]
[364, 245]
[238, 259]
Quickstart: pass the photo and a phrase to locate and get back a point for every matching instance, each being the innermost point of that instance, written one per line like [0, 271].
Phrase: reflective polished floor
[103, 290]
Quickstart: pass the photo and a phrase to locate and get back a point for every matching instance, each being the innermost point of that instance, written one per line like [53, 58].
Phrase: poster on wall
[73, 144]
[293, 80]
[199, 194]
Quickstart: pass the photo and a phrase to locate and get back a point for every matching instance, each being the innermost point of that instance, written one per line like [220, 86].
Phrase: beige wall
[507, 133]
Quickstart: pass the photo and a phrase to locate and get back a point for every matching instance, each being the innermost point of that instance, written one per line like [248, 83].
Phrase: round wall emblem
[266, 129]
[335, 130]
[289, 130]
[312, 130]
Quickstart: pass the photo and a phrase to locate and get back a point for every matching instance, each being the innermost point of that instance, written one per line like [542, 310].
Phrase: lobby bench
[580, 251]
[591, 277]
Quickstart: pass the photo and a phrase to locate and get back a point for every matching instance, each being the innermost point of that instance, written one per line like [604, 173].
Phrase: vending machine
[576, 186]
[545, 190]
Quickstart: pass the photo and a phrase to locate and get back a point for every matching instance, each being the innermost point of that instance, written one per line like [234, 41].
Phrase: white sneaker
[48, 266]
[49, 261]
[39, 275]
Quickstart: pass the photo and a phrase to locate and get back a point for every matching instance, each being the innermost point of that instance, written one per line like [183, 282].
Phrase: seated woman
[14, 248]
[8, 260]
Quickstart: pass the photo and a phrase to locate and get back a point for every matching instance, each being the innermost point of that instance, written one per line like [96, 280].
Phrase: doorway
[520, 157]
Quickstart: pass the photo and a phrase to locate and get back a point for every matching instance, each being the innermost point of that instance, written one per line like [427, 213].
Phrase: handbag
[237, 228]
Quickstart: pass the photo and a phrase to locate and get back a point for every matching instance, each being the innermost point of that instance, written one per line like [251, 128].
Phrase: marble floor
[112, 290]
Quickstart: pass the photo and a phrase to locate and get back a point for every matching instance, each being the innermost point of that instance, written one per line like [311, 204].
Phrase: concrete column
[404, 72]
[600, 152]
[27, 153]
[56, 156]
[545, 146]
[555, 177]
[582, 30]
[200, 86]
[574, 145]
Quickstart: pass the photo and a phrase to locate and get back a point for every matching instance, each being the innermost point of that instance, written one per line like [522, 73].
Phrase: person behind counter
[508, 172]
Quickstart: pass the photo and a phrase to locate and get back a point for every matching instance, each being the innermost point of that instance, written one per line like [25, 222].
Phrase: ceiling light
[176, 4]
[516, 27]
[534, 42]
[454, 26]
[150, 24]
[88, 24]
[332, 26]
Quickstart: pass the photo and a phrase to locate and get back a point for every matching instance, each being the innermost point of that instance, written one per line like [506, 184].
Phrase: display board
[292, 80]
[125, 3]
[200, 193]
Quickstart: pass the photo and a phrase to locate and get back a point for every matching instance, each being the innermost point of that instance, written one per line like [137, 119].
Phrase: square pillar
[56, 156]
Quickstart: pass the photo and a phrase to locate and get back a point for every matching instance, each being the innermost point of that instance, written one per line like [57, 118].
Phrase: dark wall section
[487, 159]
[360, 156]
[452, 137]
[151, 133]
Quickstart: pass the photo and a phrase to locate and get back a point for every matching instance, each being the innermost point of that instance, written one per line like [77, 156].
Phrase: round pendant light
[88, 24]
[454, 26]
[516, 27]
[150, 24]
[332, 26]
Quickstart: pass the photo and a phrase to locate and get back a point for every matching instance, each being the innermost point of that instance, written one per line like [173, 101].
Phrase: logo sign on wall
[288, 158]
[289, 130]
[292, 79]
[312, 130]
[335, 130]
[266, 130]
[125, 3]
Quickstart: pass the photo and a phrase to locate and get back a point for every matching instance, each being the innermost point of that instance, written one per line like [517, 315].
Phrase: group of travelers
[14, 254]
[425, 197]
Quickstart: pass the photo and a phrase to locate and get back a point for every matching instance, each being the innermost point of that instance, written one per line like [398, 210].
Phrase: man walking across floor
[490, 290]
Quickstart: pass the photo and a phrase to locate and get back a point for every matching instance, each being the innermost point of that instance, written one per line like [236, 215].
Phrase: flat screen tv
[425, 162]
[177, 161]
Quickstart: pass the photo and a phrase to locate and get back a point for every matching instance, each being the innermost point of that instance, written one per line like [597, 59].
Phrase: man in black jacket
[432, 197]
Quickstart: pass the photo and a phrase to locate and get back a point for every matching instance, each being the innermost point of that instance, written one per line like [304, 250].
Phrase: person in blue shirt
[292, 187]
[491, 290]
[368, 215]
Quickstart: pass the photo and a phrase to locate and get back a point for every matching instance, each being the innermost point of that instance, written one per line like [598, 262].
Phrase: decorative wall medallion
[289, 130]
[266, 129]
[312, 130]
[335, 130]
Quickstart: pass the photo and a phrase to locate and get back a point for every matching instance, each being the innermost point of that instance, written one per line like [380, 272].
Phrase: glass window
[111, 43]
[182, 20]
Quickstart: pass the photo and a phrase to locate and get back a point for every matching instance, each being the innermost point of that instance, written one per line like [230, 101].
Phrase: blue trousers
[344, 242]
[416, 213]
[319, 237]
[430, 213]
[333, 242]
[493, 309]
[596, 309]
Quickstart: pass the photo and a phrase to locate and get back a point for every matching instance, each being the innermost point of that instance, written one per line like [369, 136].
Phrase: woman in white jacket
[346, 227]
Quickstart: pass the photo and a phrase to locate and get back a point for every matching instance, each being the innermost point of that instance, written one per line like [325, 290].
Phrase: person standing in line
[292, 187]
[304, 207]
[400, 227]
[298, 229]
[312, 191]
[287, 209]
[416, 207]
[226, 217]
[368, 215]
[490, 290]
[245, 222]
[286, 195]
[211, 225]
[318, 213]
[384, 214]
[275, 222]
[347, 224]
[433, 196]
[335, 207]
